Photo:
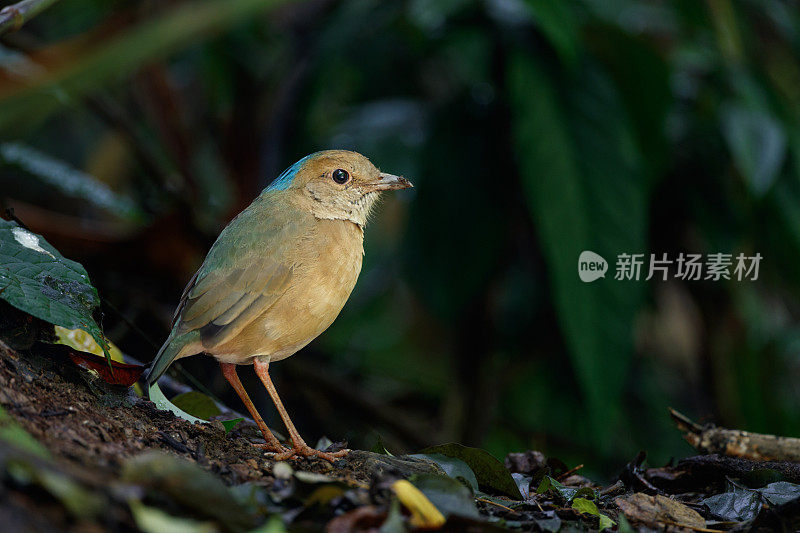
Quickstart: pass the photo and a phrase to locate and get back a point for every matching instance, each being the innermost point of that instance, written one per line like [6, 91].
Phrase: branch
[736, 443]
[14, 16]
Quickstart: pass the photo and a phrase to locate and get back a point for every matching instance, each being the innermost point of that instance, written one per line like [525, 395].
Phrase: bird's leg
[299, 447]
[229, 371]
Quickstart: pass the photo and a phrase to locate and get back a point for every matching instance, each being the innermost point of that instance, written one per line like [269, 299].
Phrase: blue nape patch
[284, 181]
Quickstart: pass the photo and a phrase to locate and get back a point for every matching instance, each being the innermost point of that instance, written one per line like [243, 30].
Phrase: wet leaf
[490, 473]
[450, 496]
[423, 512]
[738, 505]
[523, 484]
[780, 492]
[453, 467]
[38, 280]
[196, 404]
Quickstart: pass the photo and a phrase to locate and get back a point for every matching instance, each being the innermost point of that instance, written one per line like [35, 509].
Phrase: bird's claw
[307, 451]
[271, 448]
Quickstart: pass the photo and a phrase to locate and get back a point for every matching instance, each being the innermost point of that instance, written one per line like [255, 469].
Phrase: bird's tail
[170, 351]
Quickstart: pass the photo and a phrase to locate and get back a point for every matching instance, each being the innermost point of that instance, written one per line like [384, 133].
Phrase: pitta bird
[278, 275]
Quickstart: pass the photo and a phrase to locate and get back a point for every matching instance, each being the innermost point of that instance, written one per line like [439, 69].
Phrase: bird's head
[337, 184]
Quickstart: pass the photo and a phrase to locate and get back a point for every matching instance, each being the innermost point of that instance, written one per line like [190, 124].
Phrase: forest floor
[78, 454]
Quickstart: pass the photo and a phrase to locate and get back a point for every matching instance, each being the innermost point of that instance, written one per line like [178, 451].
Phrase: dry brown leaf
[655, 510]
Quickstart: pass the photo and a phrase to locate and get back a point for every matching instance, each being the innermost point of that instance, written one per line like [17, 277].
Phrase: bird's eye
[340, 176]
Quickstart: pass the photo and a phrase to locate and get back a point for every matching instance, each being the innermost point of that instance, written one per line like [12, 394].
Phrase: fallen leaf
[655, 510]
[453, 467]
[109, 370]
[738, 505]
[448, 495]
[491, 474]
[196, 404]
[423, 512]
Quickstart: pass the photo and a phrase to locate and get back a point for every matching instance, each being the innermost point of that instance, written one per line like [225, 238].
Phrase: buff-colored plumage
[281, 271]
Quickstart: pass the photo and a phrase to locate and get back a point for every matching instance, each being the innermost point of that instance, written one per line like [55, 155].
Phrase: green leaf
[229, 425]
[583, 505]
[449, 496]
[196, 404]
[606, 522]
[453, 467]
[557, 21]
[152, 39]
[758, 145]
[490, 473]
[38, 280]
[568, 493]
[584, 185]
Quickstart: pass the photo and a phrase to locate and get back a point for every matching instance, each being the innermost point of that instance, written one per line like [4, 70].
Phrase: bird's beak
[389, 182]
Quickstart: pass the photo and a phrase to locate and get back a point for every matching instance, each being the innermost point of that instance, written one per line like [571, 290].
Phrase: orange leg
[299, 447]
[229, 371]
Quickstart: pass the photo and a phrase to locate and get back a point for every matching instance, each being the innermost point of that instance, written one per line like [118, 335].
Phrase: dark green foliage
[38, 280]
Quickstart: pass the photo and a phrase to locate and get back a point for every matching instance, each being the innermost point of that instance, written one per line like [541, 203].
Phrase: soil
[92, 429]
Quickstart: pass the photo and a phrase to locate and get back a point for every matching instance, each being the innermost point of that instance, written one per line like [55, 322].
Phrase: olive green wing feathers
[244, 274]
[246, 271]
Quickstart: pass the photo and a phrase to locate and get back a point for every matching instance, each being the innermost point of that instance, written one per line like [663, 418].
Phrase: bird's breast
[326, 263]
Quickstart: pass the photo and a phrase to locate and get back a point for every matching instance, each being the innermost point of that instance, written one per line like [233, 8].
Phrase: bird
[277, 277]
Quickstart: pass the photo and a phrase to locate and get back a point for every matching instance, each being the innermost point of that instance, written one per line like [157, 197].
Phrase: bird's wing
[245, 273]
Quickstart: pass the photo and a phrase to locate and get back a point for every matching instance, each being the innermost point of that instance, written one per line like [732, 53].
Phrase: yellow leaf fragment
[423, 513]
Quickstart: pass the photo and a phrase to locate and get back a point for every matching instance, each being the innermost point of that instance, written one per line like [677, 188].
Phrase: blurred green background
[132, 131]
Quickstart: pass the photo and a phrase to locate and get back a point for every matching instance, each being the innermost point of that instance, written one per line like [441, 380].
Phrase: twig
[490, 502]
[14, 16]
[736, 443]
[569, 472]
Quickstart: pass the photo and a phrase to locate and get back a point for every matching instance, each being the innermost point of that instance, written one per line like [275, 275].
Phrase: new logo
[591, 266]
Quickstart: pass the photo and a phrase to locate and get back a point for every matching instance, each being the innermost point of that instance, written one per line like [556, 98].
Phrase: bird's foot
[305, 450]
[272, 448]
